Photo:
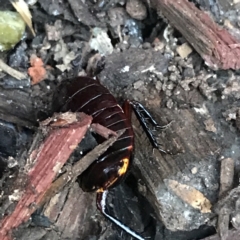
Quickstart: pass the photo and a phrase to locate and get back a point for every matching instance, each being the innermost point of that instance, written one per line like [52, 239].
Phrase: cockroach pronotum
[85, 94]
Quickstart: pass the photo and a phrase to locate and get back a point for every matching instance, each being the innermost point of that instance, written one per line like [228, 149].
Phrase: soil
[137, 55]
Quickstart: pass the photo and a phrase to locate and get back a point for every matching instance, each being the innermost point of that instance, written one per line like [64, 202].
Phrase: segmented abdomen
[84, 94]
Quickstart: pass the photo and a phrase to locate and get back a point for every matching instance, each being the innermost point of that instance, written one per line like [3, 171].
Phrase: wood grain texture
[191, 147]
[215, 44]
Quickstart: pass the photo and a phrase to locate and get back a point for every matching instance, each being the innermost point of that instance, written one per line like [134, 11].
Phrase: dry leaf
[22, 8]
[190, 195]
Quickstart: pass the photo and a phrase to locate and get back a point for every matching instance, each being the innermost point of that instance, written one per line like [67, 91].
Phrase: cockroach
[85, 94]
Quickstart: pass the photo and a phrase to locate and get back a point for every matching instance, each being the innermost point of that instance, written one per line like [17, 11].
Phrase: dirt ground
[188, 193]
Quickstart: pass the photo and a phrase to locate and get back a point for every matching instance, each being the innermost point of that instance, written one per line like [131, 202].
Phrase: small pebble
[138, 84]
[136, 9]
[194, 170]
[158, 85]
[146, 45]
[169, 103]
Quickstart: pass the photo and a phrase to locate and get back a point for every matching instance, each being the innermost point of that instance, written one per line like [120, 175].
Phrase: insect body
[84, 94]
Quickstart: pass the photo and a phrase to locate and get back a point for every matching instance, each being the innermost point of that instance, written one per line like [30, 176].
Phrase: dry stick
[14, 73]
[78, 168]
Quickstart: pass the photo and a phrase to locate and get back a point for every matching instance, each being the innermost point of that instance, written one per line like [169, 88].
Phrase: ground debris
[101, 42]
[189, 195]
[142, 63]
[41, 171]
[209, 123]
[37, 72]
[22, 8]
[226, 182]
[136, 9]
[184, 50]
[217, 47]
[16, 74]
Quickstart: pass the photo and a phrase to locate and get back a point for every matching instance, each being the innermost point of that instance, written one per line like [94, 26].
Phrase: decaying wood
[17, 106]
[189, 195]
[42, 167]
[192, 148]
[226, 176]
[215, 45]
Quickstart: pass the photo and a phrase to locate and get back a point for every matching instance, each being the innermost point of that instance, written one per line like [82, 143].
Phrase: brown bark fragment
[190, 195]
[51, 156]
[215, 45]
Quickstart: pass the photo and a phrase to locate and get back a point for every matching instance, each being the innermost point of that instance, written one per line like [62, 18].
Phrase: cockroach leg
[145, 119]
[102, 131]
[101, 205]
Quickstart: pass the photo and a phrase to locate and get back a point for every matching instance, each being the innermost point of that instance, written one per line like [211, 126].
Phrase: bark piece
[37, 72]
[189, 195]
[50, 157]
[191, 147]
[68, 211]
[20, 107]
[215, 45]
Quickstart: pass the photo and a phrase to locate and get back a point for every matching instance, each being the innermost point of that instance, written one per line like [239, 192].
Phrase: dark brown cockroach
[84, 94]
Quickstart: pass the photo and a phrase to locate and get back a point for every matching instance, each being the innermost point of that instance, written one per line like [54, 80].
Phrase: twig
[14, 73]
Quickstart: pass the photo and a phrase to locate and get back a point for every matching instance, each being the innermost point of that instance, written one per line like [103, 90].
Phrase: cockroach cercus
[85, 94]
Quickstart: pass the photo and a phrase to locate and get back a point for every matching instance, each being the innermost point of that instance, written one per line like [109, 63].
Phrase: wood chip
[190, 195]
[209, 125]
[37, 72]
[184, 50]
